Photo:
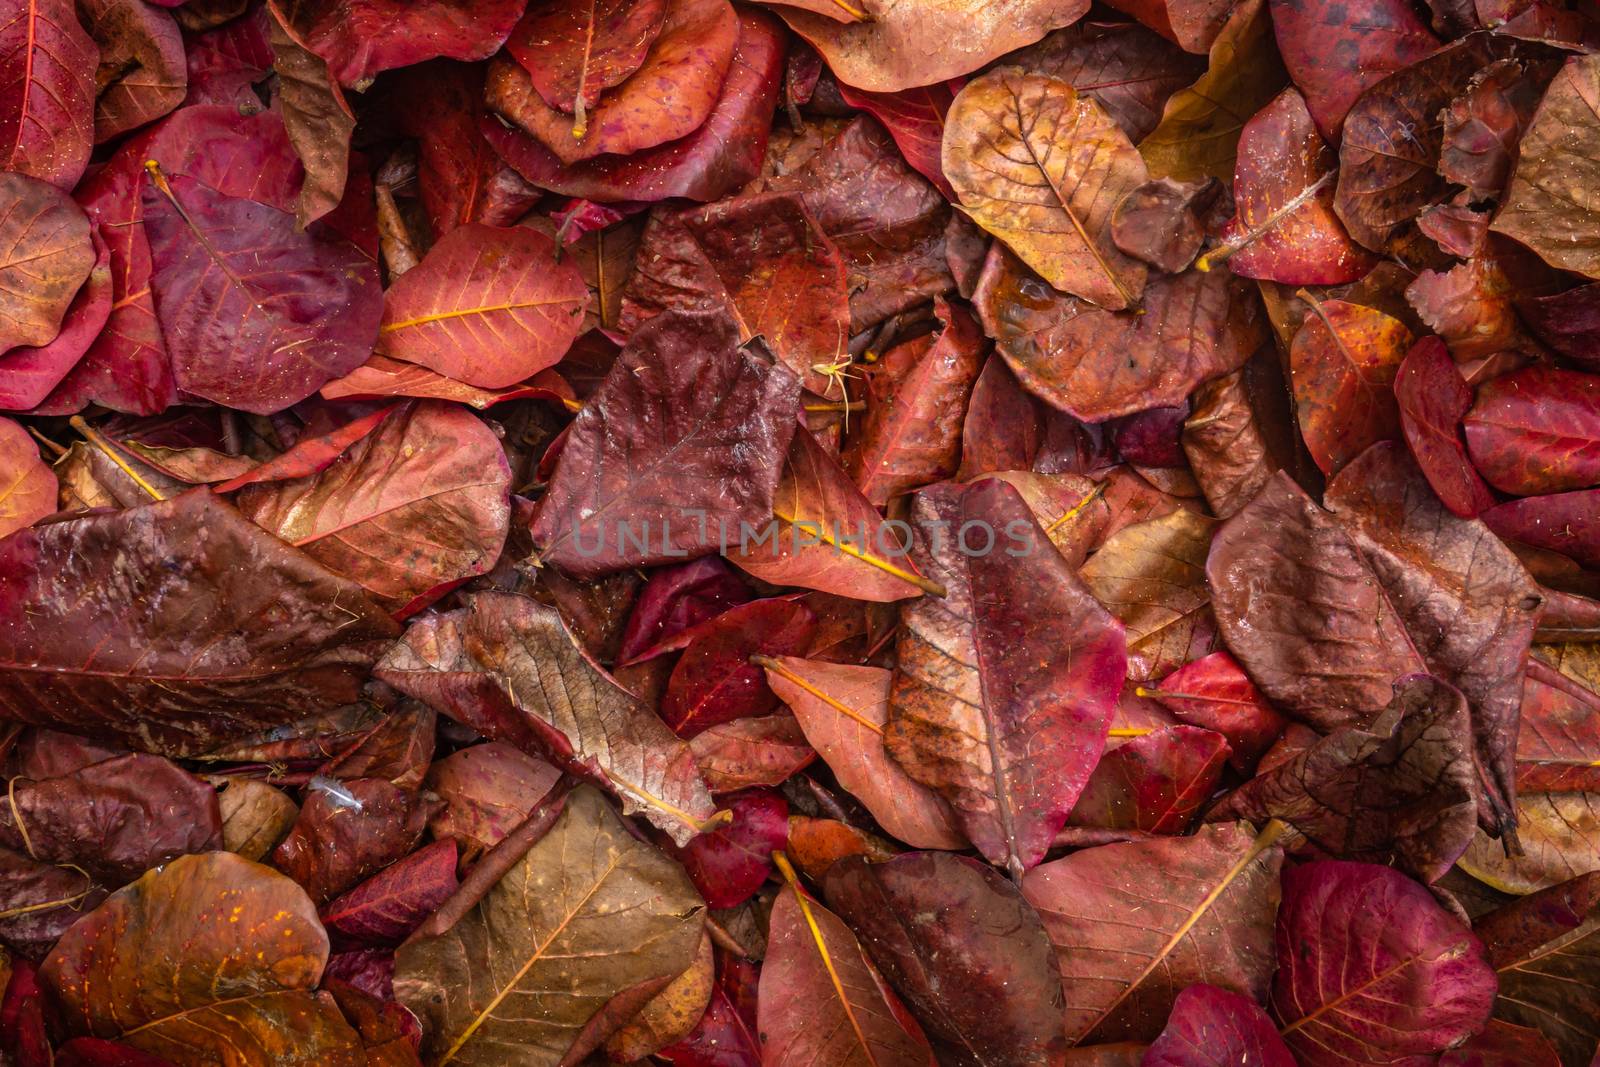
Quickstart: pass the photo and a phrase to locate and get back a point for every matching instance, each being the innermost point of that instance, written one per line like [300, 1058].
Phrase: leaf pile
[800, 533]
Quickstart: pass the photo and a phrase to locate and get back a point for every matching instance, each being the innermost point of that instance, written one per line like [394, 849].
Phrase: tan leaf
[1553, 204]
[906, 43]
[45, 256]
[317, 119]
[1199, 132]
[1560, 838]
[1152, 576]
[589, 914]
[1042, 168]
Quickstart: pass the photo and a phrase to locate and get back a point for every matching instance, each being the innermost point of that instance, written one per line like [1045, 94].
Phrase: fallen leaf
[983, 730]
[906, 46]
[48, 94]
[507, 667]
[962, 947]
[684, 377]
[1135, 924]
[1536, 431]
[1041, 169]
[1549, 205]
[1371, 965]
[821, 1000]
[1343, 362]
[117, 974]
[1213, 1026]
[587, 915]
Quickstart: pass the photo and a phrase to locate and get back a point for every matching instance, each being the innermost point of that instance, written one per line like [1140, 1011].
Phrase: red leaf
[1215, 693]
[915, 119]
[714, 680]
[1286, 230]
[1153, 784]
[29, 486]
[409, 511]
[386, 907]
[728, 864]
[1369, 965]
[301, 307]
[361, 38]
[1212, 1027]
[1433, 399]
[724, 153]
[487, 306]
[47, 91]
[1537, 431]
[1344, 361]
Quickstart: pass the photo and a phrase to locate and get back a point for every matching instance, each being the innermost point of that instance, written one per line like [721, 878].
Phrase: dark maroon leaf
[682, 388]
[136, 657]
[346, 831]
[963, 948]
[728, 864]
[1398, 791]
[386, 907]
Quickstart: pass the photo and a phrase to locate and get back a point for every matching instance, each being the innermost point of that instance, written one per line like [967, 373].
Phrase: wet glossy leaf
[963, 948]
[714, 160]
[589, 914]
[1214, 692]
[1285, 230]
[202, 958]
[1154, 783]
[114, 819]
[1399, 790]
[144, 644]
[346, 831]
[1128, 69]
[714, 681]
[1042, 168]
[1343, 362]
[361, 38]
[574, 54]
[1335, 50]
[761, 260]
[47, 93]
[916, 395]
[1135, 924]
[682, 388]
[978, 710]
[409, 511]
[1389, 157]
